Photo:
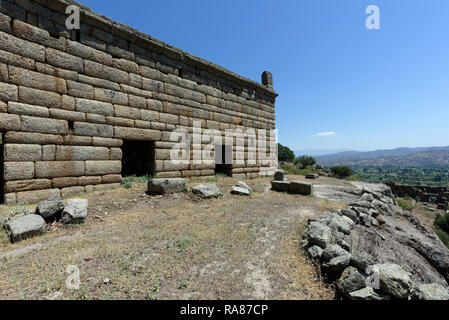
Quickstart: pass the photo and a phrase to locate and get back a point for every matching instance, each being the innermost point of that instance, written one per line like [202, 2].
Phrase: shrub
[285, 154]
[442, 222]
[444, 236]
[341, 172]
[305, 161]
[406, 204]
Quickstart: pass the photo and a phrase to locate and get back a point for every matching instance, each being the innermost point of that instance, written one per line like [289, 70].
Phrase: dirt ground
[136, 246]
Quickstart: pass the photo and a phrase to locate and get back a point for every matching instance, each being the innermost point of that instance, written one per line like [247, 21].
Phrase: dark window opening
[223, 160]
[77, 35]
[138, 158]
[71, 125]
[181, 73]
[2, 181]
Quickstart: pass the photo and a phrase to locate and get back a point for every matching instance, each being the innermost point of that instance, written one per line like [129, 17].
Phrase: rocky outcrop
[376, 240]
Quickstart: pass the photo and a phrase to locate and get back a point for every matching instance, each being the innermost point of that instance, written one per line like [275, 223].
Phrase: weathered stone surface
[331, 251]
[302, 188]
[136, 134]
[111, 178]
[167, 185]
[22, 152]
[240, 191]
[279, 175]
[361, 260]
[338, 264]
[315, 252]
[9, 122]
[351, 280]
[64, 60]
[8, 92]
[394, 280]
[29, 110]
[39, 97]
[368, 293]
[25, 226]
[95, 168]
[92, 106]
[22, 47]
[431, 291]
[207, 191]
[43, 125]
[98, 70]
[242, 184]
[27, 185]
[35, 196]
[72, 191]
[75, 211]
[32, 138]
[95, 130]
[54, 169]
[27, 78]
[318, 234]
[35, 34]
[50, 207]
[81, 153]
[18, 170]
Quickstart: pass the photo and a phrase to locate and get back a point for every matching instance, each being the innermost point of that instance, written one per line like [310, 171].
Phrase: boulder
[50, 207]
[75, 211]
[303, 188]
[331, 251]
[314, 252]
[166, 185]
[351, 280]
[318, 234]
[279, 175]
[240, 191]
[338, 264]
[351, 214]
[242, 184]
[368, 293]
[207, 191]
[394, 280]
[431, 291]
[361, 260]
[25, 226]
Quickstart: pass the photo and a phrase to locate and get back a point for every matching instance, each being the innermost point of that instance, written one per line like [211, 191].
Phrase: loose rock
[166, 186]
[50, 207]
[25, 226]
[351, 280]
[207, 191]
[240, 191]
[75, 211]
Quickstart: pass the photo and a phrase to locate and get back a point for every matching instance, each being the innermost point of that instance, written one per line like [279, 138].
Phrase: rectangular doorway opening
[138, 158]
[2, 180]
[223, 160]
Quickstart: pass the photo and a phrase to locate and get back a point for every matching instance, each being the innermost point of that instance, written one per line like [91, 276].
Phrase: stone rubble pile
[293, 187]
[365, 249]
[52, 209]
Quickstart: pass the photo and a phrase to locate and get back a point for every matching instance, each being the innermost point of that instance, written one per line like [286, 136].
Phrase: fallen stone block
[166, 185]
[242, 184]
[240, 191]
[302, 188]
[394, 280]
[279, 175]
[207, 191]
[50, 207]
[312, 176]
[282, 186]
[25, 226]
[75, 211]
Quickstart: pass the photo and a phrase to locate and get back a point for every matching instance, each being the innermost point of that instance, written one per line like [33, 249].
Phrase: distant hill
[430, 158]
[353, 156]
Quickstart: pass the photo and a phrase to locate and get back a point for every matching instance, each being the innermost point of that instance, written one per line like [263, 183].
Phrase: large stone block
[25, 226]
[166, 186]
[95, 130]
[8, 92]
[107, 142]
[112, 178]
[86, 52]
[22, 152]
[92, 106]
[282, 186]
[27, 185]
[35, 196]
[297, 187]
[43, 125]
[95, 168]
[38, 35]
[98, 70]
[72, 191]
[67, 115]
[81, 153]
[80, 90]
[28, 110]
[18, 170]
[64, 60]
[31, 138]
[22, 47]
[110, 96]
[27, 78]
[89, 180]
[39, 97]
[9, 122]
[136, 134]
[127, 112]
[53, 169]
[5, 23]
[64, 182]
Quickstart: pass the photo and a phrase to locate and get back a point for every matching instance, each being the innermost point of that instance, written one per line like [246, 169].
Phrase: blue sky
[367, 89]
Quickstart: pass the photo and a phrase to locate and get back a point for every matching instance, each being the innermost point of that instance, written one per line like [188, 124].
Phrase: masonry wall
[68, 100]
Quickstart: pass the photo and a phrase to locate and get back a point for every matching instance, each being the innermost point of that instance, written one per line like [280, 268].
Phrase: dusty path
[177, 247]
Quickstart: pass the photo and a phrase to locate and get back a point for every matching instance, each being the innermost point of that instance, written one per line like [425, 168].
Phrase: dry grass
[178, 247]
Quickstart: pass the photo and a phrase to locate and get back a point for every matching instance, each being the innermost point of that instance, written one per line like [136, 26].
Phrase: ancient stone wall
[421, 193]
[70, 98]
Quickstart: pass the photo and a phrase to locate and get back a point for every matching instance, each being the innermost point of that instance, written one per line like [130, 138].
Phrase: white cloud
[325, 134]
